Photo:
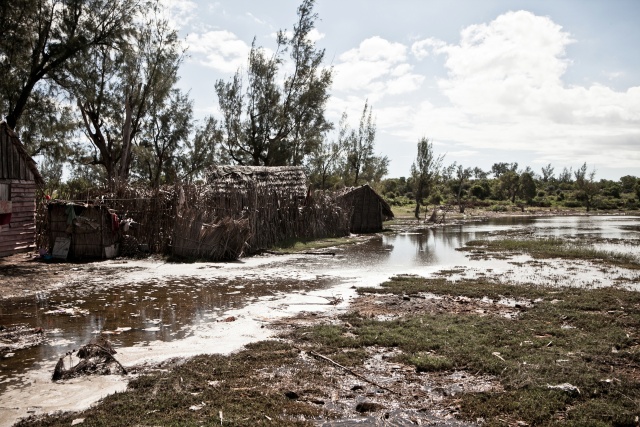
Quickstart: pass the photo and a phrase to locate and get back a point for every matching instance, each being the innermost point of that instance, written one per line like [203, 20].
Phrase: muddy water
[153, 310]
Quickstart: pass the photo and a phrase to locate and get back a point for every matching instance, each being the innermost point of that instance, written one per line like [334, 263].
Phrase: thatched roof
[12, 148]
[279, 179]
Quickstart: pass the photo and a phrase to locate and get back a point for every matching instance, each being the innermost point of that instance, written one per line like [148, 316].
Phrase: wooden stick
[355, 374]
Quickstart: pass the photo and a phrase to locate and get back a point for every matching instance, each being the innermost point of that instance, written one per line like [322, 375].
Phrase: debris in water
[95, 358]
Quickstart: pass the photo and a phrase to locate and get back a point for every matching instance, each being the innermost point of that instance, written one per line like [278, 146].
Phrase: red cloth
[5, 219]
[115, 223]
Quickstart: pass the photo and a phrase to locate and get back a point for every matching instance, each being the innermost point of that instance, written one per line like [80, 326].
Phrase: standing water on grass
[152, 311]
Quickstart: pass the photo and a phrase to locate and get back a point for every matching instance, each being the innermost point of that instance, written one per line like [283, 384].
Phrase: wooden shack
[369, 209]
[19, 181]
[83, 230]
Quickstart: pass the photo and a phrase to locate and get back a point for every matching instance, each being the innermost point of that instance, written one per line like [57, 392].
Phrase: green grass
[304, 245]
[599, 354]
[472, 288]
[556, 248]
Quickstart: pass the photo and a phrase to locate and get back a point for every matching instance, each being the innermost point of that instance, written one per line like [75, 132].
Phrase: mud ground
[27, 274]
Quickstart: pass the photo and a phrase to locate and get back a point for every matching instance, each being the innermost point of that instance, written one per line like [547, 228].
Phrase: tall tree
[277, 123]
[547, 173]
[424, 171]
[325, 161]
[527, 186]
[360, 146]
[163, 139]
[40, 37]
[509, 183]
[586, 186]
[461, 177]
[116, 90]
[200, 152]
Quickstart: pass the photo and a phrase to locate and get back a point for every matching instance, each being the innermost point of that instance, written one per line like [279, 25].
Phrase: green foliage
[425, 171]
[277, 122]
[481, 189]
[528, 354]
[127, 101]
[359, 146]
[527, 187]
[38, 41]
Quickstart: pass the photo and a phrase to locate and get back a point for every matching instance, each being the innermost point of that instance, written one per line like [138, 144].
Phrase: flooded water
[153, 311]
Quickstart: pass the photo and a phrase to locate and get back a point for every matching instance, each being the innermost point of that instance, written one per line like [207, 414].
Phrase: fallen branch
[355, 374]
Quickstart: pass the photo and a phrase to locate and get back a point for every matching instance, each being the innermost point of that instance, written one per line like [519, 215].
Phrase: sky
[532, 82]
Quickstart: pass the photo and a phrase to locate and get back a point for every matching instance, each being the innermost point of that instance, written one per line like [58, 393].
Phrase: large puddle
[153, 311]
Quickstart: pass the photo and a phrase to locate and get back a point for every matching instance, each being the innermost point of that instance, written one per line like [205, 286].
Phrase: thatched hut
[369, 209]
[86, 230]
[19, 181]
[244, 209]
[240, 210]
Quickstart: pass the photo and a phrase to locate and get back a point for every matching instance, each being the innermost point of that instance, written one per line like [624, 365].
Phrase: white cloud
[505, 87]
[220, 50]
[376, 49]
[315, 35]
[377, 67]
[179, 12]
[421, 48]
[256, 19]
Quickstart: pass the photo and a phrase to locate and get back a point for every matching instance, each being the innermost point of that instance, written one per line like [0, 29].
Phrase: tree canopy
[275, 120]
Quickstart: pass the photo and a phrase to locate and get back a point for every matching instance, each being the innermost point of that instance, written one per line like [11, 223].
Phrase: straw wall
[238, 211]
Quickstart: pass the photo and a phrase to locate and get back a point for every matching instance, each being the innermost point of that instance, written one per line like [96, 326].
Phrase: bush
[572, 204]
[400, 201]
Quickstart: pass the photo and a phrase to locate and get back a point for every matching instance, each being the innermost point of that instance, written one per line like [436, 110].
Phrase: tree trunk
[418, 200]
[18, 109]
[125, 158]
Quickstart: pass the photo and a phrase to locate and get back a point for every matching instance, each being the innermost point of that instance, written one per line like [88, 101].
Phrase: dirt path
[23, 275]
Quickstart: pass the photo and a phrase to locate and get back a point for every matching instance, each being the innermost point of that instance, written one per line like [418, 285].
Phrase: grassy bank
[553, 356]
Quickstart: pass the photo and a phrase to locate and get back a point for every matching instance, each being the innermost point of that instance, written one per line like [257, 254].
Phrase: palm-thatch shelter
[19, 181]
[369, 209]
[88, 230]
[244, 209]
